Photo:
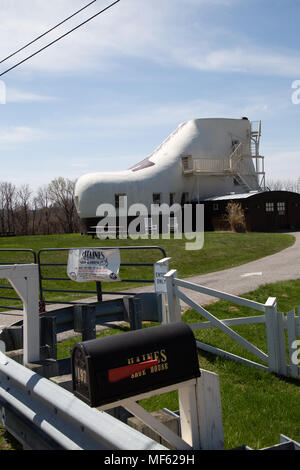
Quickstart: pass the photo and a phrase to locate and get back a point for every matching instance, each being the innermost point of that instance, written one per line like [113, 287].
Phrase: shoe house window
[156, 198]
[184, 198]
[186, 162]
[281, 208]
[120, 201]
[172, 199]
[269, 206]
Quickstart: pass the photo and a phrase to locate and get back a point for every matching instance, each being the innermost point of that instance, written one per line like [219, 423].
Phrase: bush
[236, 217]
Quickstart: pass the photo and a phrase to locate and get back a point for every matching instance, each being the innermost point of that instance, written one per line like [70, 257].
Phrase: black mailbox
[109, 369]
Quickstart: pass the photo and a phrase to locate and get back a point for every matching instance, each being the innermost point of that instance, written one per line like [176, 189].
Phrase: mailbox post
[122, 369]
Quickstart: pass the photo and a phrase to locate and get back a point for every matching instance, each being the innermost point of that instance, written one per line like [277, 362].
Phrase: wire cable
[46, 32]
[59, 38]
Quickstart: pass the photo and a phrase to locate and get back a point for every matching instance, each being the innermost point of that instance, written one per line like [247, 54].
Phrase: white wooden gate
[275, 359]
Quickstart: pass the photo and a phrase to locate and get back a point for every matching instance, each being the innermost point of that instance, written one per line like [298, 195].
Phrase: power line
[59, 38]
[49, 31]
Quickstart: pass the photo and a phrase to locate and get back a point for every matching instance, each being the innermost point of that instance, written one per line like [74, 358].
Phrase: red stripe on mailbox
[120, 373]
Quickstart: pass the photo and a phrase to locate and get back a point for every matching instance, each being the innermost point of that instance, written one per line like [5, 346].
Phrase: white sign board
[159, 271]
[93, 264]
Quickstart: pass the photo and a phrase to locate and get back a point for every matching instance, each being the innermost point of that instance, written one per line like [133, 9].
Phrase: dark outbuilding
[265, 211]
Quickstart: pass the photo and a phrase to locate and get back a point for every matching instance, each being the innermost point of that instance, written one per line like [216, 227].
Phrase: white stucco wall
[201, 138]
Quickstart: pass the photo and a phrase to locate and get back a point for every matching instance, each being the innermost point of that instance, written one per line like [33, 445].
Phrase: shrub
[236, 217]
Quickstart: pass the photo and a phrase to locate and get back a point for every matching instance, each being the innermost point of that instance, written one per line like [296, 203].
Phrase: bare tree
[44, 207]
[61, 194]
[7, 206]
[23, 203]
[51, 209]
[284, 185]
[2, 209]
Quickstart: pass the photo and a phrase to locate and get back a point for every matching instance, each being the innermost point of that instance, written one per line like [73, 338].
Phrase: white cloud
[166, 32]
[172, 114]
[260, 61]
[18, 96]
[19, 134]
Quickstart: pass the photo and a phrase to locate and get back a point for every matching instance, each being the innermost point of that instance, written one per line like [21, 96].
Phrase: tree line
[49, 210]
[284, 185]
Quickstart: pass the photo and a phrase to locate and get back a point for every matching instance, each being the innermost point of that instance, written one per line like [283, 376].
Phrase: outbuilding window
[281, 208]
[269, 206]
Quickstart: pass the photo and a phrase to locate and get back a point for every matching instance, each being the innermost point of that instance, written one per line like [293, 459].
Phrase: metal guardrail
[98, 291]
[43, 413]
[9, 288]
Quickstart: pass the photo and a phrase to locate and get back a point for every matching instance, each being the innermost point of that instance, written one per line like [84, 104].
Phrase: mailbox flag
[93, 264]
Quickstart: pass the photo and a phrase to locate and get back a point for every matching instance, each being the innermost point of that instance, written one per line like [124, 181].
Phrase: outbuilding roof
[234, 196]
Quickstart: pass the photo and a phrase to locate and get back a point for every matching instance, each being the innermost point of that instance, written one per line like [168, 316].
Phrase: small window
[156, 198]
[215, 206]
[269, 206]
[120, 201]
[281, 208]
[186, 162]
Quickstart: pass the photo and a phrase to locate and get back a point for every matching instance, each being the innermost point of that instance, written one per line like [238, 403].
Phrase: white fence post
[210, 411]
[189, 416]
[201, 413]
[161, 268]
[174, 310]
[275, 337]
[25, 281]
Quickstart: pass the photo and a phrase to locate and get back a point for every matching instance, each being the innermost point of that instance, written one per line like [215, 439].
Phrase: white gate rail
[25, 281]
[275, 359]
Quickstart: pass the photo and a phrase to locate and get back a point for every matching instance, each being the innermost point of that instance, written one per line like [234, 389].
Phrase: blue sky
[106, 96]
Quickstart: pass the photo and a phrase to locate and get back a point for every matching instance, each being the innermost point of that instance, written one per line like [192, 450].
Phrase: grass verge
[221, 250]
[257, 406]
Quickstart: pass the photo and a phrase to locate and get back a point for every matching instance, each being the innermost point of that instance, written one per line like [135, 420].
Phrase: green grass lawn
[257, 406]
[221, 250]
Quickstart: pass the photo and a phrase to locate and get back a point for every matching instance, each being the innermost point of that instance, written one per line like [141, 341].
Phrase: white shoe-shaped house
[200, 159]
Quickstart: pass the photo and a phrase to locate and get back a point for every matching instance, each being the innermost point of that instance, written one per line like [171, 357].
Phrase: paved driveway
[282, 266]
